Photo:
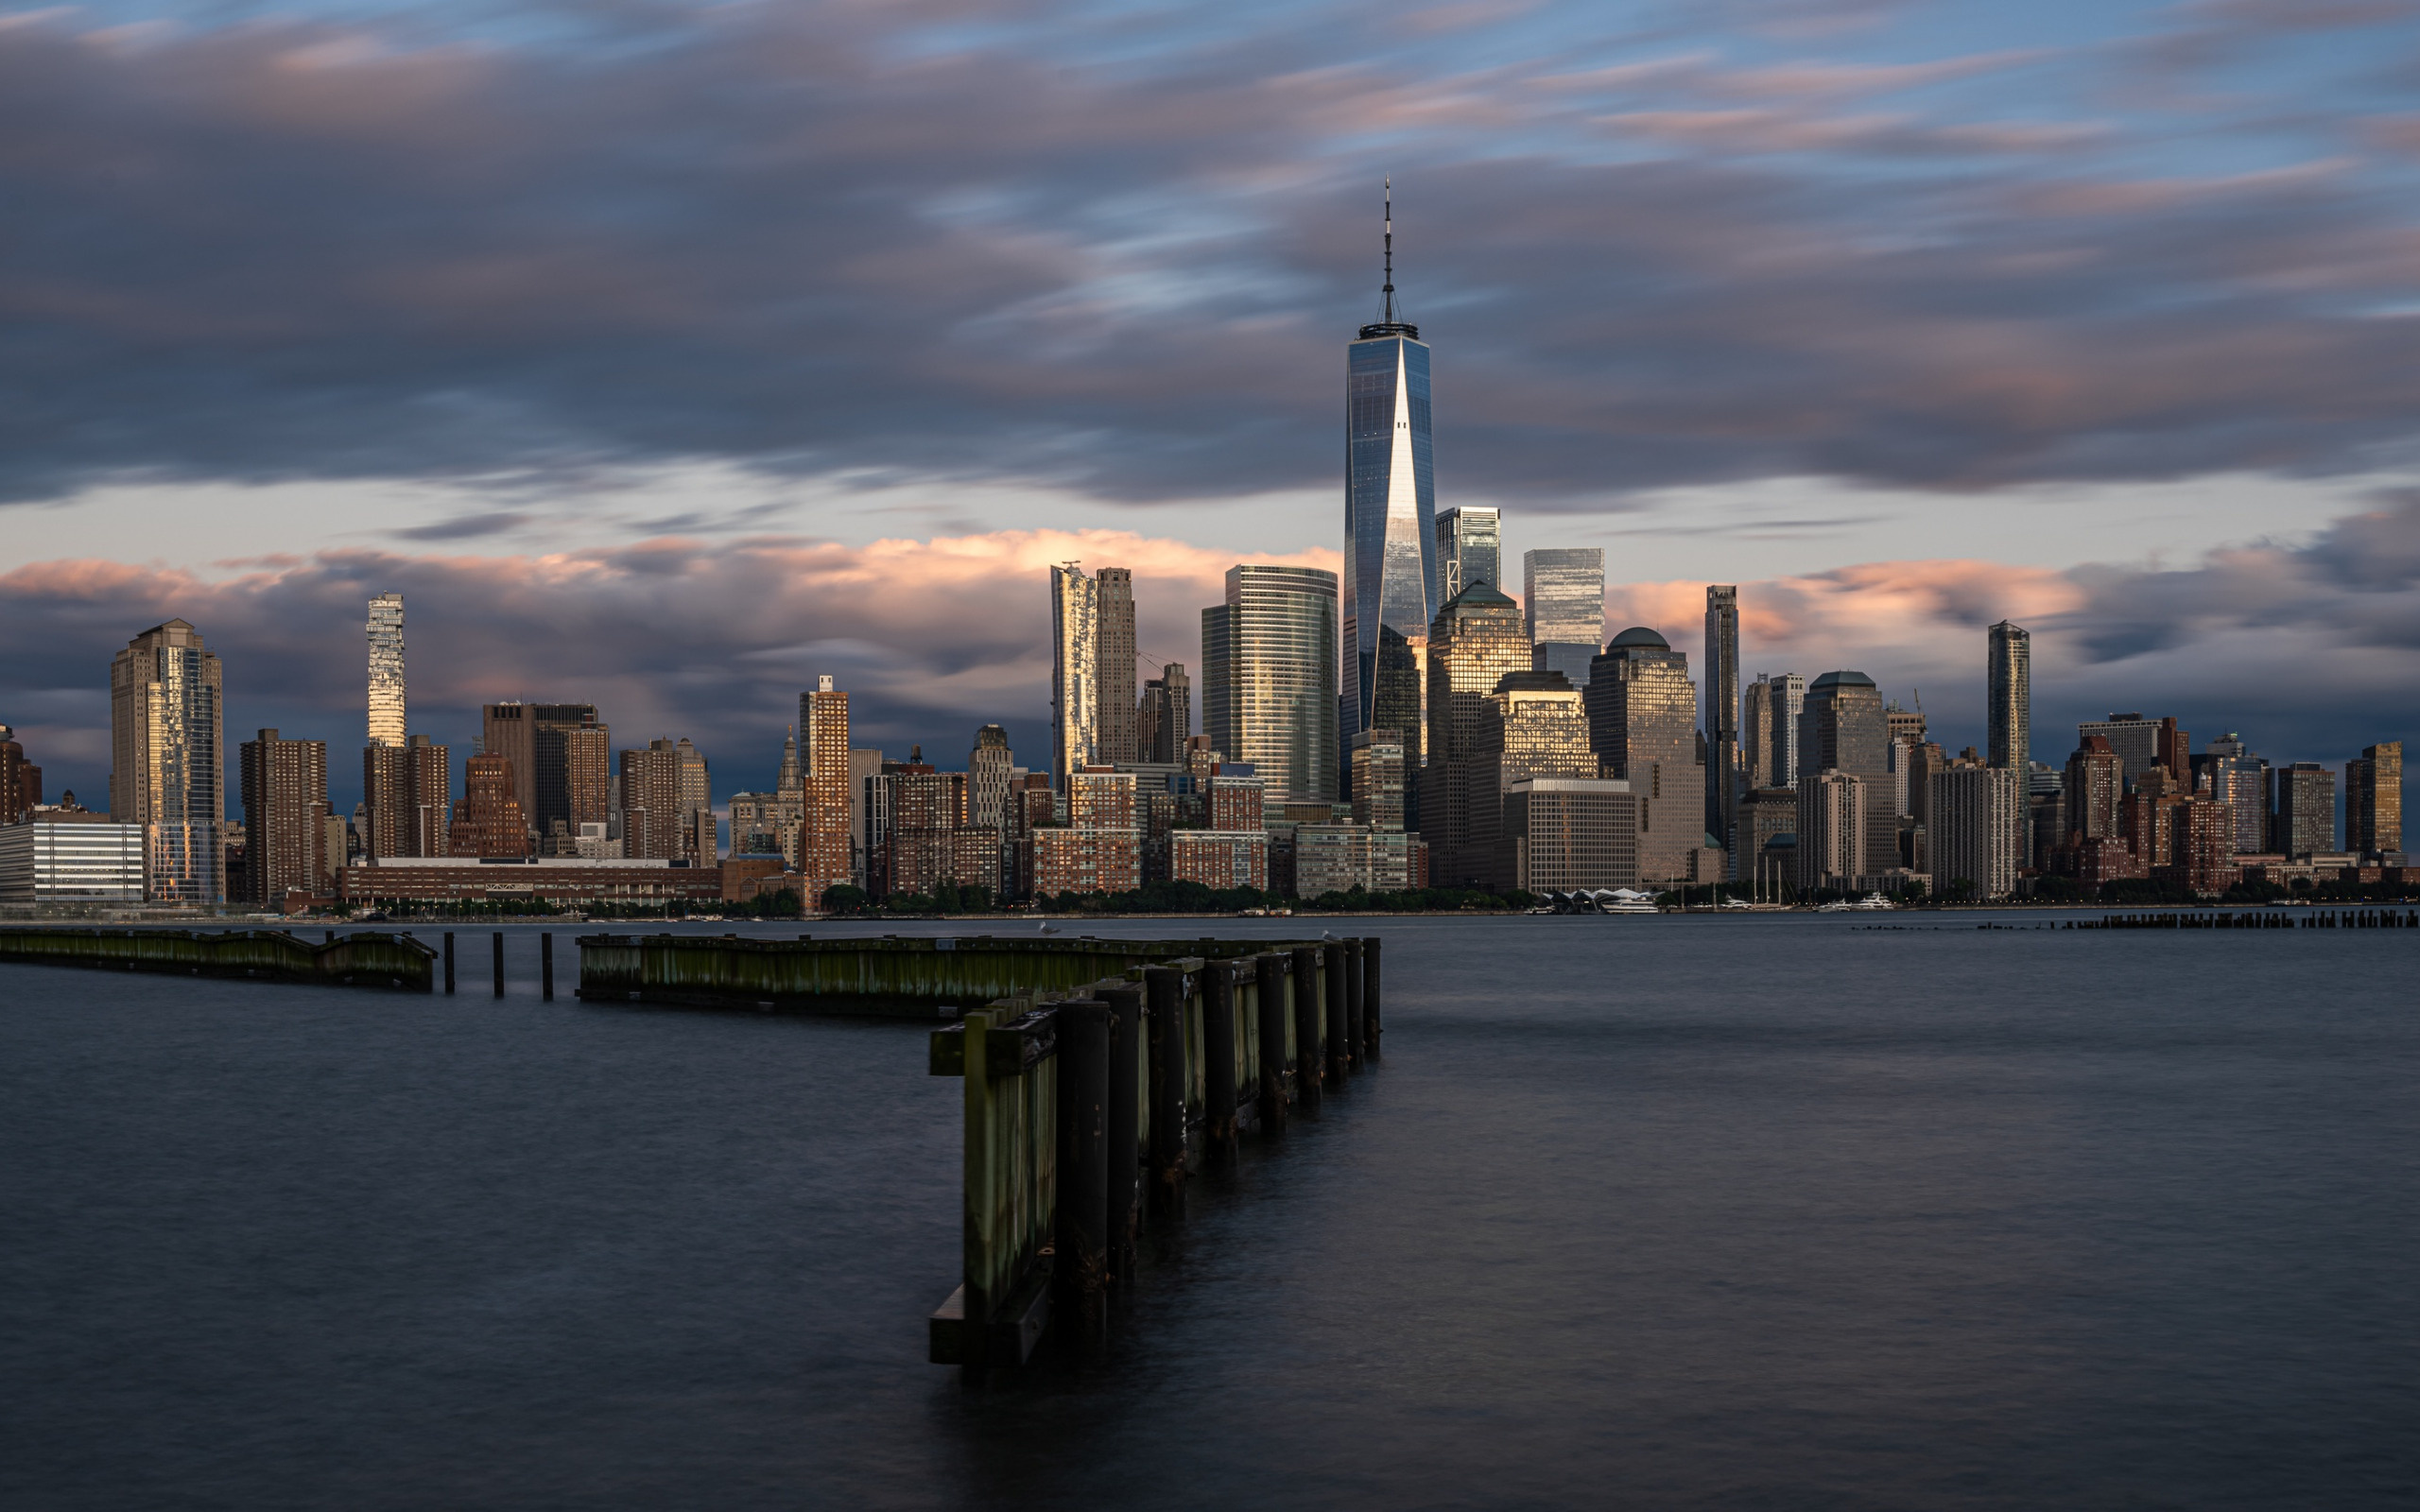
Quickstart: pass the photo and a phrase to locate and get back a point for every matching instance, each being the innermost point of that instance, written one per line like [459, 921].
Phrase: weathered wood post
[1306, 1028]
[449, 963]
[1332, 987]
[1123, 1126]
[1370, 997]
[546, 964]
[1218, 1045]
[500, 963]
[1269, 968]
[1164, 986]
[979, 1203]
[1080, 1259]
[1355, 1050]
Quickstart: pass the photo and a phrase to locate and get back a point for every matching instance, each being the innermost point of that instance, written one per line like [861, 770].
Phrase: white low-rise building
[67, 856]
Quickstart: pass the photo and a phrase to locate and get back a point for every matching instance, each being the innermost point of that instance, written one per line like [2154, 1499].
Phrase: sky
[666, 356]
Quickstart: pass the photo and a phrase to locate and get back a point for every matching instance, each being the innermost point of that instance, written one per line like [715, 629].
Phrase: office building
[924, 841]
[1534, 725]
[1832, 829]
[2239, 779]
[864, 763]
[1768, 728]
[66, 858]
[2133, 738]
[1904, 725]
[2302, 810]
[167, 759]
[1331, 857]
[1113, 666]
[1378, 779]
[2373, 801]
[1476, 642]
[387, 704]
[1470, 548]
[649, 798]
[2095, 789]
[1075, 675]
[1842, 728]
[825, 827]
[989, 766]
[408, 791]
[1766, 849]
[488, 818]
[561, 758]
[1722, 727]
[1391, 587]
[1976, 839]
[1268, 695]
[20, 779]
[1220, 859]
[2008, 680]
[1568, 833]
[1642, 722]
[1563, 607]
[284, 788]
[1164, 716]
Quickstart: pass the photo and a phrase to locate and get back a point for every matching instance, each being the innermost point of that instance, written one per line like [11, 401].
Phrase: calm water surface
[1669, 1213]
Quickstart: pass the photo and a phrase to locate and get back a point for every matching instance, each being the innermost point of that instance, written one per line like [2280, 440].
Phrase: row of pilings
[2267, 918]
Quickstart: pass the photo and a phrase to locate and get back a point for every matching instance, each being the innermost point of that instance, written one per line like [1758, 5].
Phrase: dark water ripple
[1654, 1213]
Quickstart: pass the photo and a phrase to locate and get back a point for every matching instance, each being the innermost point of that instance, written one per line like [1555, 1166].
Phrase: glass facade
[1842, 728]
[1391, 579]
[1721, 669]
[1470, 549]
[2010, 679]
[1075, 662]
[168, 769]
[386, 670]
[1563, 606]
[1643, 723]
[1268, 695]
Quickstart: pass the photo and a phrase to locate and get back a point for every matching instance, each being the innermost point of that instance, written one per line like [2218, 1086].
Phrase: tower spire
[1388, 318]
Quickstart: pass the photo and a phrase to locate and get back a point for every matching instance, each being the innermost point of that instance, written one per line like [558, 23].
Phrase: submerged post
[1370, 996]
[981, 1202]
[1218, 1047]
[546, 964]
[1306, 1028]
[1270, 967]
[500, 963]
[449, 963]
[1332, 985]
[1122, 1125]
[1080, 1268]
[1164, 987]
[1353, 1020]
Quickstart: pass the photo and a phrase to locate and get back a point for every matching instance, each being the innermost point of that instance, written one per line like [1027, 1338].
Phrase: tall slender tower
[1075, 671]
[825, 829]
[1563, 602]
[2009, 678]
[386, 670]
[1721, 669]
[168, 765]
[1390, 582]
[1113, 665]
[1269, 678]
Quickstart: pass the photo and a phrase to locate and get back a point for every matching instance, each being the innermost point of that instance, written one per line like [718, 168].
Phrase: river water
[1781, 1211]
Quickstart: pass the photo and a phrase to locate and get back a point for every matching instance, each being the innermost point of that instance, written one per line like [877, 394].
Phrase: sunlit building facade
[1470, 547]
[1563, 599]
[1642, 721]
[386, 710]
[1269, 667]
[1391, 587]
[2373, 799]
[2009, 683]
[1075, 665]
[1474, 644]
[168, 765]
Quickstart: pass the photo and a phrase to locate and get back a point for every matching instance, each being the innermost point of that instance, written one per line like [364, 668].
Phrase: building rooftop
[1639, 635]
[1843, 680]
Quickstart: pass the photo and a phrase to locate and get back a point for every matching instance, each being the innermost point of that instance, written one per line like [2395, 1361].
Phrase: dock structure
[364, 958]
[2296, 917]
[1088, 1108]
[886, 976]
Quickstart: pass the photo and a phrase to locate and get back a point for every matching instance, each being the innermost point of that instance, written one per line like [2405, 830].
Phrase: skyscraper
[1642, 722]
[988, 767]
[1532, 726]
[1474, 643]
[560, 758]
[386, 670]
[1269, 678]
[1113, 666]
[650, 802]
[1390, 581]
[1976, 833]
[2009, 681]
[1164, 716]
[407, 790]
[1843, 729]
[824, 833]
[1075, 662]
[1721, 726]
[1768, 727]
[2373, 799]
[488, 818]
[2302, 810]
[1470, 547]
[1564, 604]
[2134, 739]
[20, 779]
[286, 810]
[2239, 779]
[167, 759]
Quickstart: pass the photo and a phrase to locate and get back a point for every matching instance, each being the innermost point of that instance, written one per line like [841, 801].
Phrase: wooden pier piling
[1219, 1066]
[1123, 1124]
[500, 963]
[547, 965]
[1332, 987]
[1355, 1018]
[449, 963]
[364, 958]
[1270, 975]
[1370, 996]
[1164, 991]
[1080, 1245]
[1306, 1028]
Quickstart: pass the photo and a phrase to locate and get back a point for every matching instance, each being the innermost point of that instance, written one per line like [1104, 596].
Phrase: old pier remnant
[367, 958]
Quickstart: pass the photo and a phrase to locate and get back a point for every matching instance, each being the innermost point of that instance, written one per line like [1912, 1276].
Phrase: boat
[1872, 903]
[1837, 906]
[1626, 900]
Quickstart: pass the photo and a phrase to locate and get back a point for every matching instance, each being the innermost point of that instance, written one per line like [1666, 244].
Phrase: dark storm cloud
[940, 242]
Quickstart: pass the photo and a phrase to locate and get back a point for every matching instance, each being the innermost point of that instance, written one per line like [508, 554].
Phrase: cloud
[1120, 256]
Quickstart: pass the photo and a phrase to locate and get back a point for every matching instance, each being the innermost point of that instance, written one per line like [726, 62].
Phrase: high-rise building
[2008, 690]
[824, 832]
[1378, 779]
[20, 779]
[1976, 835]
[509, 730]
[2373, 799]
[407, 789]
[1475, 641]
[1832, 829]
[285, 810]
[1723, 775]
[1113, 666]
[167, 759]
[1391, 579]
[1268, 695]
[2302, 809]
[1768, 727]
[2239, 779]
[386, 670]
[1534, 725]
[1842, 728]
[989, 766]
[865, 763]
[488, 818]
[1470, 547]
[1164, 716]
[1906, 726]
[2133, 738]
[1642, 721]
[1767, 815]
[68, 856]
[1563, 606]
[1100, 848]
[1075, 671]
[2176, 753]
[650, 800]
[2095, 787]
[562, 760]
[1569, 833]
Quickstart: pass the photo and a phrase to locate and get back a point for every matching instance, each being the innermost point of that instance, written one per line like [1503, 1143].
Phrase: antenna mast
[1389, 316]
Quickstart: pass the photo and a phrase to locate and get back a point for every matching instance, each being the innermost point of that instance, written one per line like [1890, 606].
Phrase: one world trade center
[1389, 523]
